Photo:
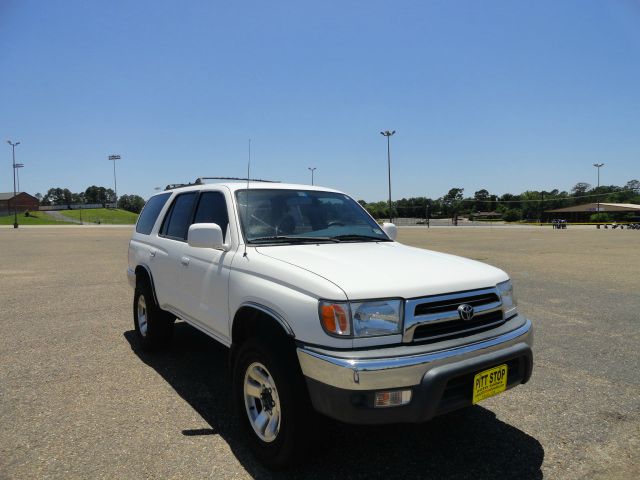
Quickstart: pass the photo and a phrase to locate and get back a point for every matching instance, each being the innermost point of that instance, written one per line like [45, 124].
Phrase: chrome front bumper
[376, 371]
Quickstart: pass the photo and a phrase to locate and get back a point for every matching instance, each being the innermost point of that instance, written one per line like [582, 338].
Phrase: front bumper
[343, 387]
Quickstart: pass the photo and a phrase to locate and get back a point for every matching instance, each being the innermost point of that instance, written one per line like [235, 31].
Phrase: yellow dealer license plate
[489, 383]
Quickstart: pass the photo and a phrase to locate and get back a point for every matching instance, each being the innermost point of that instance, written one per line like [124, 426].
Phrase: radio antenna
[246, 208]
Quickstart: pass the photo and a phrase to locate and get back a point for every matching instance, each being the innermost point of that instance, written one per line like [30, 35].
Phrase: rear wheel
[154, 326]
[272, 402]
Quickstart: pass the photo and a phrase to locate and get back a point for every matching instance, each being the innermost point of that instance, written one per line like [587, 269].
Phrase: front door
[204, 272]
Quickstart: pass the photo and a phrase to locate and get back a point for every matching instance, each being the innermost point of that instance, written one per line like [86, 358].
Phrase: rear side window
[212, 208]
[179, 218]
[150, 212]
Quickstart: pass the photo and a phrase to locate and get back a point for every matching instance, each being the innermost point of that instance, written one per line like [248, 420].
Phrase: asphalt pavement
[78, 399]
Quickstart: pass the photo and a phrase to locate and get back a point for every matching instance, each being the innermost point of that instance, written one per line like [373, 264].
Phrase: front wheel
[272, 403]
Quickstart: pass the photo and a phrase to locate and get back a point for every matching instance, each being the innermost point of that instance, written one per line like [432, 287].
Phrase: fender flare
[270, 312]
[153, 287]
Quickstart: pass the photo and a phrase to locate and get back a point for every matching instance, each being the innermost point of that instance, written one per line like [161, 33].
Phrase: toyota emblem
[465, 311]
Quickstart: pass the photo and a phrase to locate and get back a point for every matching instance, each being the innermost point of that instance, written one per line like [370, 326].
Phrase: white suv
[322, 309]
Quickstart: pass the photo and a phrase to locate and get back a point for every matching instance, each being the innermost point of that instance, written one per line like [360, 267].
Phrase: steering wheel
[335, 223]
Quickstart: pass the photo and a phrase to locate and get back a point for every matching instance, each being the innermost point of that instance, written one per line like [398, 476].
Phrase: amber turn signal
[335, 318]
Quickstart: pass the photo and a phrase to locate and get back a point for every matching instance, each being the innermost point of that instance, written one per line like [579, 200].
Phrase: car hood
[387, 269]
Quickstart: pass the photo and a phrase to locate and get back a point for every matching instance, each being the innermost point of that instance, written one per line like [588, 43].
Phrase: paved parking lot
[79, 400]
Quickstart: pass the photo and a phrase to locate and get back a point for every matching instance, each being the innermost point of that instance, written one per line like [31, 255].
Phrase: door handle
[184, 261]
[152, 253]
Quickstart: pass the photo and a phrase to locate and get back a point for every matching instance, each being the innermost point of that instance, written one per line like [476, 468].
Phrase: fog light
[394, 398]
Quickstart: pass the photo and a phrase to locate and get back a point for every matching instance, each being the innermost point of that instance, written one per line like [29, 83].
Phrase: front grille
[456, 327]
[447, 305]
[436, 318]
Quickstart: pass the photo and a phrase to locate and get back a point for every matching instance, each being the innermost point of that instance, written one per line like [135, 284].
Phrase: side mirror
[390, 229]
[206, 235]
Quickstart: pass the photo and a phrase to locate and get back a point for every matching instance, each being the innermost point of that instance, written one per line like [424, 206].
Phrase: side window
[150, 212]
[212, 208]
[178, 219]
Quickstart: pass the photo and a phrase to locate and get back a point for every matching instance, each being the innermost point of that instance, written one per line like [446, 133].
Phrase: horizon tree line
[91, 196]
[530, 204]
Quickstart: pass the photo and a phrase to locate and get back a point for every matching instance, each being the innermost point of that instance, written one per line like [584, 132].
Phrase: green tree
[58, 196]
[452, 201]
[580, 189]
[481, 198]
[634, 186]
[95, 194]
[77, 198]
[512, 215]
[131, 203]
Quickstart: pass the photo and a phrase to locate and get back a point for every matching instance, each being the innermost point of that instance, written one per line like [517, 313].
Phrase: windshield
[297, 216]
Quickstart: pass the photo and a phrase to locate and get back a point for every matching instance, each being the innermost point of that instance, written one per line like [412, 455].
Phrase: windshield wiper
[364, 238]
[292, 239]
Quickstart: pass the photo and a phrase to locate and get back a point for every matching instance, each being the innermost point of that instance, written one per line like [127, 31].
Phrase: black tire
[291, 393]
[154, 326]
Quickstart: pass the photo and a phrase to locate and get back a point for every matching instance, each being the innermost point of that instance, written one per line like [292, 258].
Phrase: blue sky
[502, 95]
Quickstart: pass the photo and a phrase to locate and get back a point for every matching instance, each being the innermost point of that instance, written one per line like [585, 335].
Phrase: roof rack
[172, 186]
[200, 180]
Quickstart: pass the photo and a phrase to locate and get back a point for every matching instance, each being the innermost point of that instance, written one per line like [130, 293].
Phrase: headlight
[376, 318]
[362, 319]
[509, 304]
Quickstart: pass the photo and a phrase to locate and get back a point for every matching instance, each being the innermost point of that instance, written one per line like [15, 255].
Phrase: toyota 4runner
[321, 308]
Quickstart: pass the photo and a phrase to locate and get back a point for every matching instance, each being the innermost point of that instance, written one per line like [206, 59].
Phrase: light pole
[115, 183]
[312, 170]
[388, 134]
[18, 167]
[598, 165]
[15, 208]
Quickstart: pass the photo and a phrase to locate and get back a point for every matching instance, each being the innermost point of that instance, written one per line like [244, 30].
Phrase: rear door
[172, 247]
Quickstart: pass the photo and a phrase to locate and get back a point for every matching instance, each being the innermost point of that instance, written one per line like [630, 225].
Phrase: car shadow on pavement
[471, 443]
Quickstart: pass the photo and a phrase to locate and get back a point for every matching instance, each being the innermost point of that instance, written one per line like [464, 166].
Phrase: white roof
[242, 185]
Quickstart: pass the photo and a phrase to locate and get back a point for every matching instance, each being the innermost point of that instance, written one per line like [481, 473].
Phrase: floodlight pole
[598, 165]
[388, 134]
[18, 167]
[115, 183]
[312, 170]
[15, 207]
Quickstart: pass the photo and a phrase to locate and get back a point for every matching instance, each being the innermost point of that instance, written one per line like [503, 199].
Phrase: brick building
[22, 201]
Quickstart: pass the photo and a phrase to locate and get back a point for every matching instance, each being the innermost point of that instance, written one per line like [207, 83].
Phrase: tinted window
[150, 212]
[212, 208]
[179, 218]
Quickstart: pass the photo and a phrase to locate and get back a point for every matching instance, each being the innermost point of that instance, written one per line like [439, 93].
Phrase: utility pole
[388, 134]
[115, 183]
[312, 170]
[598, 165]
[15, 207]
[427, 215]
